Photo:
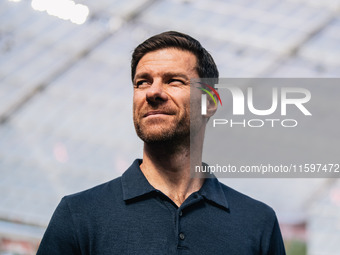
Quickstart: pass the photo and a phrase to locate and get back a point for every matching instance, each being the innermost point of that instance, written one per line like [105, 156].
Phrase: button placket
[181, 236]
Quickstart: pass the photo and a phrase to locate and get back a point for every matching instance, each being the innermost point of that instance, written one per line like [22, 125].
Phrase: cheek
[137, 101]
[186, 101]
[182, 96]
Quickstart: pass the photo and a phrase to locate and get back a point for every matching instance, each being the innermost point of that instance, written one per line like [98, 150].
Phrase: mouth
[156, 113]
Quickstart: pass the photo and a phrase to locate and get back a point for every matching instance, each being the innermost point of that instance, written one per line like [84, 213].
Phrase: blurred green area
[295, 247]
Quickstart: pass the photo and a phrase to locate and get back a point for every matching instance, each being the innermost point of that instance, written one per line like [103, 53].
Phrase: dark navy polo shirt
[128, 216]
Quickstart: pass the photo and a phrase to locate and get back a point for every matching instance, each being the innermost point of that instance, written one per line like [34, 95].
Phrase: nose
[156, 93]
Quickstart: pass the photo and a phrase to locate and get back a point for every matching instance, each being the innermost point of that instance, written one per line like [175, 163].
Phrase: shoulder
[100, 195]
[106, 196]
[257, 220]
[254, 217]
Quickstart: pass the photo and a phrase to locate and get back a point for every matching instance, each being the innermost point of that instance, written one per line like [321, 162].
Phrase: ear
[211, 106]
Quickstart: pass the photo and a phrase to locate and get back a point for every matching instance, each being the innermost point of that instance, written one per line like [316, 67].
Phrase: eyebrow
[165, 75]
[141, 75]
[170, 74]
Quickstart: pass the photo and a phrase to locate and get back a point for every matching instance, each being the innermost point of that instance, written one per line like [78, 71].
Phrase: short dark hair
[206, 67]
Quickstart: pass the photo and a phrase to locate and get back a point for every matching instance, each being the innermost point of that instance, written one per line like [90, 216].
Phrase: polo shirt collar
[213, 191]
[136, 185]
[134, 182]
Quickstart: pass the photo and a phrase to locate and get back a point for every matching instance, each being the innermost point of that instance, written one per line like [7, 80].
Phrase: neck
[167, 168]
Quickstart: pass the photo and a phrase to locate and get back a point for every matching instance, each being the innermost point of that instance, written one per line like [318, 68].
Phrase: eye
[176, 82]
[141, 83]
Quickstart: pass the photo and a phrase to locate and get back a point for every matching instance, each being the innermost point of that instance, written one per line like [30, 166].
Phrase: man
[156, 207]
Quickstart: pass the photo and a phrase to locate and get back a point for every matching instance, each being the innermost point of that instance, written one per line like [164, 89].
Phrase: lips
[150, 113]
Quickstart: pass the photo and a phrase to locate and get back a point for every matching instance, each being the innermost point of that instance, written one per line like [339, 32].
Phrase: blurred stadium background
[66, 97]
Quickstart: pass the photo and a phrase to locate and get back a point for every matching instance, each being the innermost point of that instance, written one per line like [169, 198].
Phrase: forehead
[170, 59]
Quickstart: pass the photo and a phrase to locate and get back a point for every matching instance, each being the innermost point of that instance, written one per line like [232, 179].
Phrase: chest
[160, 228]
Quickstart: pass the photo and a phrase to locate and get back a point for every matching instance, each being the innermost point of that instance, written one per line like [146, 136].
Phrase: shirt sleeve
[276, 246]
[60, 235]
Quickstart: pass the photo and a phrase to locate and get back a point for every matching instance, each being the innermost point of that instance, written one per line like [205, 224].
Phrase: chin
[163, 132]
[164, 136]
[156, 137]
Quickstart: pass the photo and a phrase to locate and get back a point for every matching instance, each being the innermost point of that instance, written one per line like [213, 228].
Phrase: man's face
[161, 101]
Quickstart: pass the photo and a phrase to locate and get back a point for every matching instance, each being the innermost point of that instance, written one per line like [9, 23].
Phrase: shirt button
[181, 236]
[180, 213]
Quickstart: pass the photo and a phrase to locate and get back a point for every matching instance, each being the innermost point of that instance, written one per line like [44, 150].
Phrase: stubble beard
[172, 134]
